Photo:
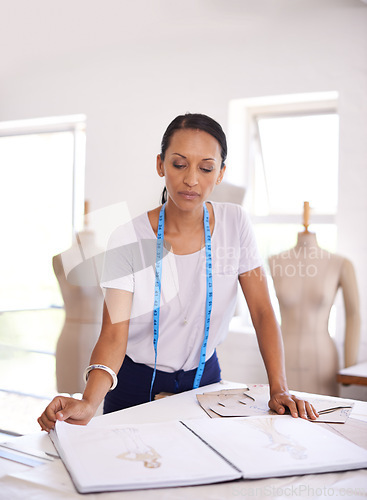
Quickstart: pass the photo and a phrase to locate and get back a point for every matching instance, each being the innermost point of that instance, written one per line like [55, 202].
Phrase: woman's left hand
[298, 407]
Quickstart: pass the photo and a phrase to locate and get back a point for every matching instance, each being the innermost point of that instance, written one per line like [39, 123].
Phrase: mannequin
[78, 278]
[306, 280]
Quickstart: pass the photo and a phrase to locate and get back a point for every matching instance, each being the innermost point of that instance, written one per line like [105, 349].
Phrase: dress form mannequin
[83, 301]
[306, 279]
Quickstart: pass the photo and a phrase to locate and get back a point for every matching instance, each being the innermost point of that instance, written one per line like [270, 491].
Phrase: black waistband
[134, 381]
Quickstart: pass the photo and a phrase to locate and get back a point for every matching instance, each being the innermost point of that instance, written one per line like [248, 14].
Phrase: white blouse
[130, 264]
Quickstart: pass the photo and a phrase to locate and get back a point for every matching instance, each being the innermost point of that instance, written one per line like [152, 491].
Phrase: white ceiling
[37, 31]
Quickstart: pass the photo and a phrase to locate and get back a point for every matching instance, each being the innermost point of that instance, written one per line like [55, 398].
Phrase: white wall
[133, 66]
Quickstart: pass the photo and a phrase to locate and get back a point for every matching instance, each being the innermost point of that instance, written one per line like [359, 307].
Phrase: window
[42, 197]
[294, 159]
[285, 151]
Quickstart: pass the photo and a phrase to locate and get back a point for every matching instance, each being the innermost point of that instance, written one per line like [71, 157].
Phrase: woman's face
[192, 167]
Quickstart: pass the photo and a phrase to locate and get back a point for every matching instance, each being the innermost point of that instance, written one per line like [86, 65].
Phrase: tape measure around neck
[157, 294]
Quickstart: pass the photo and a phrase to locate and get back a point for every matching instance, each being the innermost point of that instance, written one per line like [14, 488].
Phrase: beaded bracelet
[101, 367]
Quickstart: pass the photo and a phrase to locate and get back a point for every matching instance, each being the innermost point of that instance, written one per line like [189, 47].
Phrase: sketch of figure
[137, 450]
[279, 442]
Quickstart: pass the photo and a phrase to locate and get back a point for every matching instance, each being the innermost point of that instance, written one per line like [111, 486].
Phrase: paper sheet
[253, 400]
[279, 445]
[137, 456]
[128, 457]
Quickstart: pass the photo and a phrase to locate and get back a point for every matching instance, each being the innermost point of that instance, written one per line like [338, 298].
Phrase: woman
[166, 310]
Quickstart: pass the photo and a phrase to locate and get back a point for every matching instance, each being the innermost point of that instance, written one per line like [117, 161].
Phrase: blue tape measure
[157, 294]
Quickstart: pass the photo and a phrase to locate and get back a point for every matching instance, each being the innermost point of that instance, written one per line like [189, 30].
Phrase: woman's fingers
[73, 411]
[311, 411]
[280, 401]
[54, 411]
[297, 407]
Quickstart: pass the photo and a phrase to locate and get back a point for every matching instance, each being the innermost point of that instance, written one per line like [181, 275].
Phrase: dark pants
[134, 381]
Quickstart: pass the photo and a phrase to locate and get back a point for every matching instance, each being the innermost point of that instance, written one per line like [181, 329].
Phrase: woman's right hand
[109, 350]
[73, 411]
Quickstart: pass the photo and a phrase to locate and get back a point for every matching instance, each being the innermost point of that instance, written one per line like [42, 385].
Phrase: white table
[51, 480]
[356, 374]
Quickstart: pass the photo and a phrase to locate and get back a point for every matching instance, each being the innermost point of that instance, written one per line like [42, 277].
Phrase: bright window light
[297, 161]
[41, 200]
[36, 193]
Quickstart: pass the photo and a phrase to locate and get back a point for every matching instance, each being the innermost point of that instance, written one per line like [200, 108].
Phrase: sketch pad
[275, 446]
[131, 457]
[199, 451]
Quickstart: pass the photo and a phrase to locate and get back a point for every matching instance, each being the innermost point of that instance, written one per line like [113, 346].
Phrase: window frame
[242, 127]
[242, 113]
[76, 124]
[71, 123]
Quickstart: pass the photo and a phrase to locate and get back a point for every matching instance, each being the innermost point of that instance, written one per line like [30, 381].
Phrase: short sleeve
[249, 253]
[121, 259]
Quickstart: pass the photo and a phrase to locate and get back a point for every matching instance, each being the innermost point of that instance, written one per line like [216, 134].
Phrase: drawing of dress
[278, 441]
[137, 450]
